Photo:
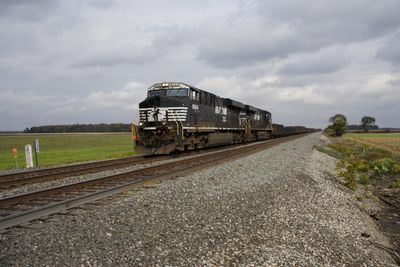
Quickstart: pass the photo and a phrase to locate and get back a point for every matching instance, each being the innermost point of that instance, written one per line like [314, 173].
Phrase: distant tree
[79, 128]
[339, 124]
[367, 121]
[356, 127]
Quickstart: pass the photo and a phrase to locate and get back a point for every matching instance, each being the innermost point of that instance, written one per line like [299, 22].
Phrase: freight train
[278, 130]
[177, 117]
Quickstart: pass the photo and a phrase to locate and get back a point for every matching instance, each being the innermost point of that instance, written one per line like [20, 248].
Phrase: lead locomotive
[177, 117]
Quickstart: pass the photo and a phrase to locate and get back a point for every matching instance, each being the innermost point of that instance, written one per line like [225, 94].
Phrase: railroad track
[36, 176]
[23, 208]
[13, 180]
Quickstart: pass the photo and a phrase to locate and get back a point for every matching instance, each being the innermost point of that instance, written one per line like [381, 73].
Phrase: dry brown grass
[390, 142]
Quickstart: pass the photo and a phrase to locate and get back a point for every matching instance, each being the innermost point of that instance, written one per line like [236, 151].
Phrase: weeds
[396, 183]
[384, 166]
[364, 179]
[347, 170]
[358, 197]
[328, 150]
[368, 194]
[361, 163]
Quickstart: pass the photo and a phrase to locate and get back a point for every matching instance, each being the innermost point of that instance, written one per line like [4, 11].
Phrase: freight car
[176, 117]
[278, 130]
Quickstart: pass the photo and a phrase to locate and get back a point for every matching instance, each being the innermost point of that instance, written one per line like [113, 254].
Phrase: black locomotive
[177, 116]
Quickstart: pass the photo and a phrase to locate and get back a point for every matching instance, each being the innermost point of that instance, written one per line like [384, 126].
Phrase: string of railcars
[177, 117]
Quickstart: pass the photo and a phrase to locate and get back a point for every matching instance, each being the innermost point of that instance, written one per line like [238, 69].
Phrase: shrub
[330, 132]
[384, 166]
[361, 166]
[363, 179]
[396, 183]
[348, 172]
[368, 194]
[396, 168]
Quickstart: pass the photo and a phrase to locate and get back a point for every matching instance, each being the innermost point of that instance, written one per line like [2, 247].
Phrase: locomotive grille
[161, 114]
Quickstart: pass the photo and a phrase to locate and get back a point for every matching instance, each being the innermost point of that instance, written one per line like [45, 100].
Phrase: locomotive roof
[172, 85]
[180, 85]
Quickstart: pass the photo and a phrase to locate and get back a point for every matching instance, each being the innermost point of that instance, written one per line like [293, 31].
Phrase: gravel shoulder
[279, 207]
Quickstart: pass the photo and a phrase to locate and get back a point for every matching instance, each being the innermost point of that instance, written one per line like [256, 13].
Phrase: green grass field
[58, 149]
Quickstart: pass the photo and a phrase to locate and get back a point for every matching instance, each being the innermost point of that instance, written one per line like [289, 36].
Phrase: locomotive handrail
[177, 126]
[176, 121]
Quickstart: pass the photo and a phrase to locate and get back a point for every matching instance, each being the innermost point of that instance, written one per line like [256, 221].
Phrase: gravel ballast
[279, 207]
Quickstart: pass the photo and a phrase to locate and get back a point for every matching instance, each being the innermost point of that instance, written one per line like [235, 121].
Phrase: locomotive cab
[162, 116]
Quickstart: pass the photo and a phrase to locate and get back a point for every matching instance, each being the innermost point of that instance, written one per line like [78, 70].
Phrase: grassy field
[388, 141]
[65, 148]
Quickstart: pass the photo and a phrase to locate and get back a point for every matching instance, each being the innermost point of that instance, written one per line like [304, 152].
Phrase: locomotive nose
[160, 101]
[149, 102]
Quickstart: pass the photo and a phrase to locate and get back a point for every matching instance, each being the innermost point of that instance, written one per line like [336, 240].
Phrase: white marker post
[28, 156]
[37, 150]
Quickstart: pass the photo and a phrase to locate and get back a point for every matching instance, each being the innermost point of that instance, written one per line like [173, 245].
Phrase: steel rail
[61, 169]
[36, 176]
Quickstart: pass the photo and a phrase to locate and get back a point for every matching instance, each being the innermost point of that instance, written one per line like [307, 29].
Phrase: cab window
[155, 93]
[194, 95]
[177, 92]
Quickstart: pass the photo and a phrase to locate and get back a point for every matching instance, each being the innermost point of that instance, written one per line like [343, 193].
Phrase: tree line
[339, 124]
[80, 128]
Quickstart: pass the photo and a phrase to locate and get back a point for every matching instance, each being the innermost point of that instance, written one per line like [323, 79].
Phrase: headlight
[164, 123]
[140, 123]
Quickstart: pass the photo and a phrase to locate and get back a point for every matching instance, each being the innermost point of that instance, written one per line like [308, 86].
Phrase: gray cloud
[91, 61]
[283, 28]
[28, 10]
[244, 41]
[338, 21]
[390, 49]
[117, 57]
[318, 63]
[394, 82]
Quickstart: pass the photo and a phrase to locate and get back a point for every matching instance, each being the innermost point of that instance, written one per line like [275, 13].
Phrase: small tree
[367, 121]
[339, 124]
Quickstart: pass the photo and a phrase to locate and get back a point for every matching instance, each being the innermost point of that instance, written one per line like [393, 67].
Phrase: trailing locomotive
[177, 117]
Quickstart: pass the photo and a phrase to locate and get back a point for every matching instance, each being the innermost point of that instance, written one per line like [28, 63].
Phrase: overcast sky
[64, 62]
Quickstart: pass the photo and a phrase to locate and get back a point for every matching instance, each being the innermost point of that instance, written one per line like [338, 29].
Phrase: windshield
[155, 93]
[177, 92]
